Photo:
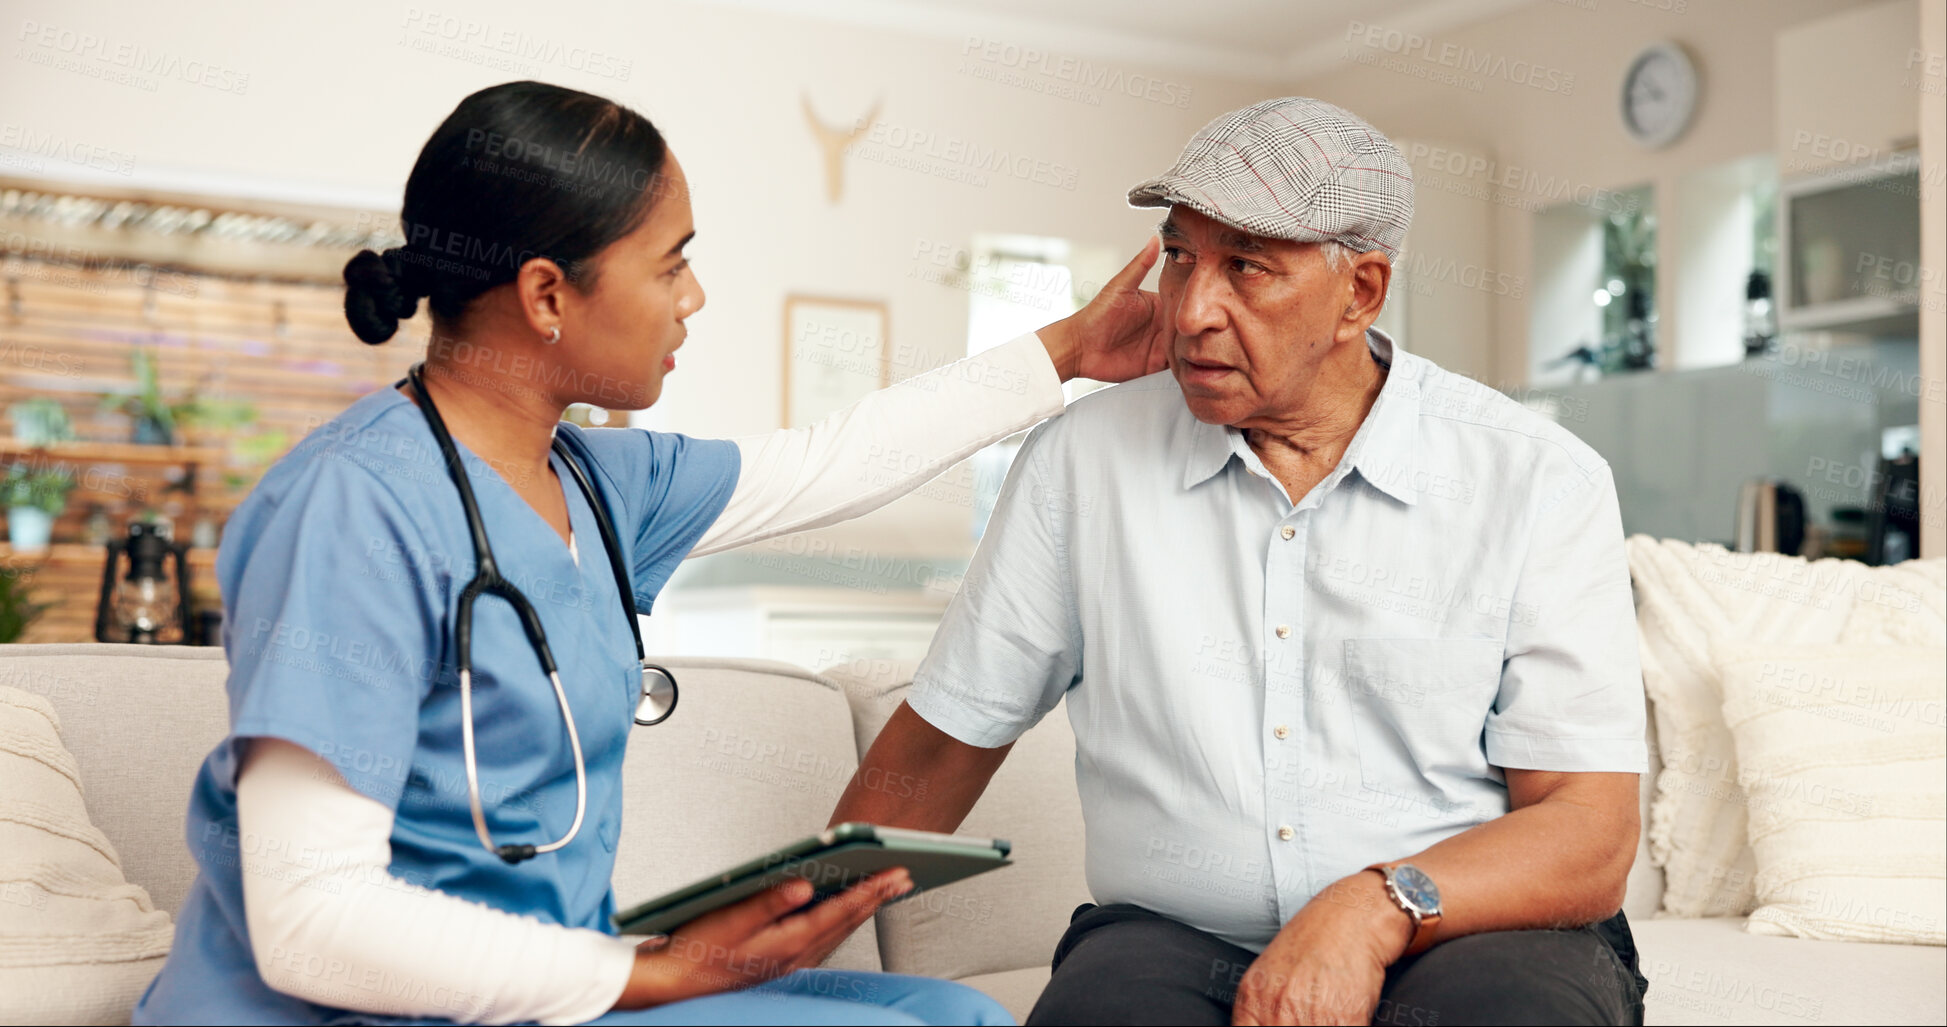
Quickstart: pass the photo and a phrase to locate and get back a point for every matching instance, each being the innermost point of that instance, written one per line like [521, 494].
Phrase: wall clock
[1659, 95]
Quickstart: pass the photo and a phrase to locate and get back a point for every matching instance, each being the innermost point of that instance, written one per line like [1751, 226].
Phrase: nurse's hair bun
[380, 291]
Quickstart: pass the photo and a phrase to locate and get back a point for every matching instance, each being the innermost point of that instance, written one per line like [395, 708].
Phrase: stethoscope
[658, 684]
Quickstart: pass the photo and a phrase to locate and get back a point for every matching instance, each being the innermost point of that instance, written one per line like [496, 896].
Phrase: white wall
[1443, 279]
[339, 98]
[1567, 245]
[1713, 231]
[1560, 134]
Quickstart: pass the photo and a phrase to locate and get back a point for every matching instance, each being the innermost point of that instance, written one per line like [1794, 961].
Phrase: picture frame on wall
[836, 352]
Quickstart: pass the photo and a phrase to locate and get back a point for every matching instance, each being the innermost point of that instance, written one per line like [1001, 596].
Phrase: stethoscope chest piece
[658, 695]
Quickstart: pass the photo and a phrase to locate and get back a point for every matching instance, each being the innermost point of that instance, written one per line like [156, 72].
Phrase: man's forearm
[1560, 861]
[917, 776]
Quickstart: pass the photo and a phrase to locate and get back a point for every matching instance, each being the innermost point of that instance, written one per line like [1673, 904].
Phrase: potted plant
[34, 498]
[196, 411]
[157, 420]
[17, 608]
[41, 421]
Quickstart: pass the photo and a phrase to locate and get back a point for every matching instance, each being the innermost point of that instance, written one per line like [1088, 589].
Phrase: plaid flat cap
[1293, 168]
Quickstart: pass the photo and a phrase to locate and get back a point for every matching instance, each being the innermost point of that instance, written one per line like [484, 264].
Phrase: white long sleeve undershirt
[316, 888]
[891, 442]
[330, 924]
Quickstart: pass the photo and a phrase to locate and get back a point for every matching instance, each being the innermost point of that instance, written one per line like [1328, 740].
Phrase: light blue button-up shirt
[1268, 696]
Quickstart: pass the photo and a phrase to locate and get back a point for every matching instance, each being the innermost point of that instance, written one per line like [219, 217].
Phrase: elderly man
[1347, 641]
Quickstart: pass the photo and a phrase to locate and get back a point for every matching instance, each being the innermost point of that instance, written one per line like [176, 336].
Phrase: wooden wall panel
[67, 332]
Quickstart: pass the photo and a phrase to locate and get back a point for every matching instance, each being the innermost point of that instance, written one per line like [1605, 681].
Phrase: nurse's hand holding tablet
[416, 811]
[755, 940]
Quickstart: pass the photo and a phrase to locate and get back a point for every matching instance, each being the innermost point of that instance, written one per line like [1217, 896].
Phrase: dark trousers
[1123, 964]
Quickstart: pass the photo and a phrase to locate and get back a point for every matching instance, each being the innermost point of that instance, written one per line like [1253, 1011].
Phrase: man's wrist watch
[1414, 892]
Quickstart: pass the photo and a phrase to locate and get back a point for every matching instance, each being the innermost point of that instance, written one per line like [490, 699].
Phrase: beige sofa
[757, 755]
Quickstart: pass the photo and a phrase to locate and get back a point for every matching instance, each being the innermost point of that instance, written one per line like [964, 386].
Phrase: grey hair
[1338, 256]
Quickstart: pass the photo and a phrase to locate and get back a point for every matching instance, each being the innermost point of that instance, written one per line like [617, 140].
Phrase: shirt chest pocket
[1419, 706]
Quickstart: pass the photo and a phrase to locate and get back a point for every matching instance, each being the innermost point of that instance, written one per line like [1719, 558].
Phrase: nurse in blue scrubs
[545, 228]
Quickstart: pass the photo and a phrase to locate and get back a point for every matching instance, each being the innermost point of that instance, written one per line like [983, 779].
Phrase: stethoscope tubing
[488, 580]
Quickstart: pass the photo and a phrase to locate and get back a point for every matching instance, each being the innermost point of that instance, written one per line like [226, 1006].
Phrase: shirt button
[1287, 532]
[1285, 833]
[1281, 731]
[1284, 631]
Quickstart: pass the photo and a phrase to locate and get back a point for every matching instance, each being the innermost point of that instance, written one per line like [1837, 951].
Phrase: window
[1017, 284]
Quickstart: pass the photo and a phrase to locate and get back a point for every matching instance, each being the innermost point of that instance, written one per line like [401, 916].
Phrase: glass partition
[1594, 311]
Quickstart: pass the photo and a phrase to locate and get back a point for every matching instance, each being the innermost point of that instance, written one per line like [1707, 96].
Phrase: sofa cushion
[78, 943]
[1009, 919]
[139, 719]
[754, 758]
[1692, 599]
[1709, 971]
[1841, 752]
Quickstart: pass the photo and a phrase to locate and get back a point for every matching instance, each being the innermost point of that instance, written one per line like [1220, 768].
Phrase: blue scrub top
[341, 575]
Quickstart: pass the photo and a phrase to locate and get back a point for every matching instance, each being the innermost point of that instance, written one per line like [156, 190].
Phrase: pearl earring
[554, 336]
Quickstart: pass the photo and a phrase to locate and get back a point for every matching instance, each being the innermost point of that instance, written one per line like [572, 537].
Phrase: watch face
[1417, 888]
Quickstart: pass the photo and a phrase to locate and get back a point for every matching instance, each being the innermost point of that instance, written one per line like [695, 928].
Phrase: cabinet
[1841, 102]
[1847, 133]
[1851, 250]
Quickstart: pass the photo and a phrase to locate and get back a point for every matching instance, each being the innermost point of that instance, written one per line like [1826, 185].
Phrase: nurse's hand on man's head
[1123, 333]
[763, 937]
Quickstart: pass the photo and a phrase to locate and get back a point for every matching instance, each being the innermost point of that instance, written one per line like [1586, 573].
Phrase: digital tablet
[832, 861]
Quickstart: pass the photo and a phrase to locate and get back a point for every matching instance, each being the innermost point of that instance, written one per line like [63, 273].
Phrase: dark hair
[517, 171]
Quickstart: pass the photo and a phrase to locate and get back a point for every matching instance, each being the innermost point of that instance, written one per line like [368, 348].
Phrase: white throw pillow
[78, 943]
[1693, 600]
[1843, 755]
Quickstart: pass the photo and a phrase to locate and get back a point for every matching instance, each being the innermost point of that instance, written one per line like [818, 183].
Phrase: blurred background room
[1704, 235]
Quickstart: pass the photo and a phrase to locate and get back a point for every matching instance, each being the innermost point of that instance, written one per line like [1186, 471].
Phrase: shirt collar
[1385, 450]
[1388, 456]
[1210, 451]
